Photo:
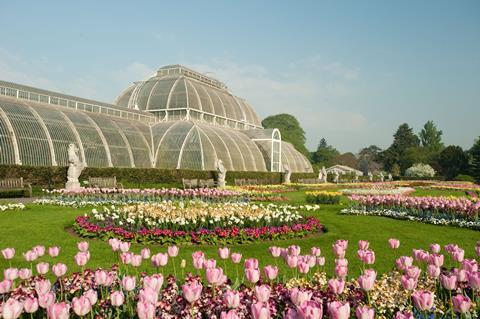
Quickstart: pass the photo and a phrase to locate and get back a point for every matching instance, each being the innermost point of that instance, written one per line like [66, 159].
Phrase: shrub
[420, 170]
[465, 178]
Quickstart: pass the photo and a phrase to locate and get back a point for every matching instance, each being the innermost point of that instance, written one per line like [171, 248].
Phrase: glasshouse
[177, 119]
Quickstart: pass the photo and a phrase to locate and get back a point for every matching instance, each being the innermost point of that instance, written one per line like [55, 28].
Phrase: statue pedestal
[72, 185]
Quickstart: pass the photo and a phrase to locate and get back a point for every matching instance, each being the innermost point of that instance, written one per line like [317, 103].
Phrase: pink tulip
[101, 277]
[262, 292]
[159, 260]
[368, 257]
[46, 300]
[363, 244]
[145, 310]
[321, 261]
[366, 282]
[371, 273]
[298, 296]
[436, 260]
[209, 263]
[275, 251]
[30, 305]
[434, 248]
[198, 262]
[8, 253]
[198, 254]
[5, 286]
[271, 272]
[39, 250]
[336, 285]
[343, 243]
[341, 271]
[394, 243]
[315, 251]
[136, 260]
[58, 311]
[404, 315]
[458, 255]
[145, 253]
[303, 267]
[292, 261]
[81, 305]
[423, 300]
[310, 310]
[470, 265]
[433, 271]
[448, 282]
[172, 251]
[231, 299]
[474, 280]
[42, 268]
[365, 312]
[59, 269]
[231, 314]
[154, 282]
[251, 263]
[192, 291]
[53, 251]
[409, 283]
[42, 286]
[339, 310]
[259, 311]
[11, 309]
[338, 251]
[30, 256]
[236, 258]
[128, 283]
[126, 258]
[294, 250]
[83, 246]
[10, 274]
[461, 303]
[114, 243]
[252, 275]
[223, 253]
[148, 295]
[413, 272]
[124, 247]
[91, 295]
[215, 276]
[81, 258]
[24, 273]
[117, 298]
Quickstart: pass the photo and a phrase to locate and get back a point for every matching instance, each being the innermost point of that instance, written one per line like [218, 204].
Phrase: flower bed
[196, 223]
[11, 206]
[378, 191]
[322, 197]
[420, 286]
[436, 210]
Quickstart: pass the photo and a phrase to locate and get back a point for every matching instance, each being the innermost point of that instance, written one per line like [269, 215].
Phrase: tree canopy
[324, 154]
[290, 129]
[453, 161]
[475, 160]
[403, 139]
[431, 137]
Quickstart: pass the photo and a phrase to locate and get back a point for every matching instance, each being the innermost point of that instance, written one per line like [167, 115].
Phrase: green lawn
[47, 226]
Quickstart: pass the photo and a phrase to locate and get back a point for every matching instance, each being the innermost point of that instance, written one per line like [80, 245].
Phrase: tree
[475, 160]
[347, 159]
[403, 139]
[324, 154]
[453, 161]
[290, 129]
[431, 137]
[368, 159]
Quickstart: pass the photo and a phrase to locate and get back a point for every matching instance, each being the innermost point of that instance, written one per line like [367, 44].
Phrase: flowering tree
[420, 170]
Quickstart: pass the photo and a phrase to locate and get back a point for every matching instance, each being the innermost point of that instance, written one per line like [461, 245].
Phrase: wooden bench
[15, 184]
[206, 183]
[189, 183]
[240, 181]
[104, 182]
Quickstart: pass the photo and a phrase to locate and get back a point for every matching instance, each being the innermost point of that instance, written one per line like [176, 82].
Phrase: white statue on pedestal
[286, 174]
[382, 177]
[222, 172]
[75, 168]
[320, 176]
[370, 176]
[324, 173]
[390, 177]
[336, 175]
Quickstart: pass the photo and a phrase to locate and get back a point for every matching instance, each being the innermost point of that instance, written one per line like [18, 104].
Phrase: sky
[350, 71]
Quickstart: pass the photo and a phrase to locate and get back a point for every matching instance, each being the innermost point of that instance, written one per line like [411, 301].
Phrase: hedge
[56, 176]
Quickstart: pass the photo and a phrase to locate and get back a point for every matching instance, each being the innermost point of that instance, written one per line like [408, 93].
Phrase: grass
[47, 225]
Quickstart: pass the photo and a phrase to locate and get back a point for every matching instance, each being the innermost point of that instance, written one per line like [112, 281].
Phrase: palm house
[176, 119]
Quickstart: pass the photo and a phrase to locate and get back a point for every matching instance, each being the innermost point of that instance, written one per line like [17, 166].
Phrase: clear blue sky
[350, 71]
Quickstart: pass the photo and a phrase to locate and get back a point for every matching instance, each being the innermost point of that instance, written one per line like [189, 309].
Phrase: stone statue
[370, 176]
[382, 177]
[320, 176]
[356, 177]
[336, 175]
[75, 168]
[324, 173]
[390, 177]
[222, 172]
[286, 174]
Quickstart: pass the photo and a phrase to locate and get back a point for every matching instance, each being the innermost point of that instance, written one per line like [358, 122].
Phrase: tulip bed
[378, 191]
[460, 211]
[435, 284]
[322, 197]
[197, 223]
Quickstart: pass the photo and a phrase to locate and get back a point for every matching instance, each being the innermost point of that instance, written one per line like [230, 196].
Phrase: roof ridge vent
[177, 69]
